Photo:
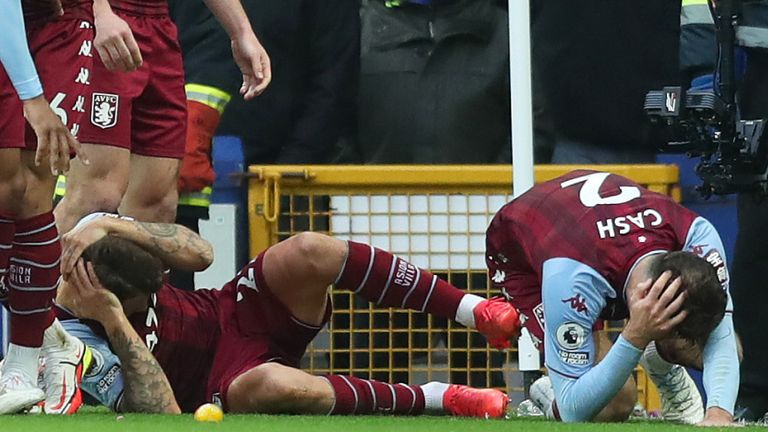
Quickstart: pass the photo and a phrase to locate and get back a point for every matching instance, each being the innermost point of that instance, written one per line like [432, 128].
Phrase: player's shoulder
[573, 274]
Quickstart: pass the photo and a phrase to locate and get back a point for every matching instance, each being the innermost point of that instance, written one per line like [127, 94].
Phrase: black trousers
[185, 279]
[750, 261]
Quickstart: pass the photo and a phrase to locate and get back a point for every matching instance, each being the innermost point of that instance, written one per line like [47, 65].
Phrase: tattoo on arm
[147, 388]
[168, 240]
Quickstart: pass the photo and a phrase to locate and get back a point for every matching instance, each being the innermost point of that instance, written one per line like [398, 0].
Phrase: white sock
[24, 359]
[433, 395]
[465, 314]
[652, 362]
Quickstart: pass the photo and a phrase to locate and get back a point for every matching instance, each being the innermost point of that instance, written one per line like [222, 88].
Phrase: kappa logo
[216, 400]
[538, 312]
[698, 249]
[577, 303]
[499, 276]
[104, 110]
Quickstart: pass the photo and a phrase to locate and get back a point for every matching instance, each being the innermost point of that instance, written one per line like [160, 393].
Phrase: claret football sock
[32, 278]
[360, 396]
[387, 280]
[7, 230]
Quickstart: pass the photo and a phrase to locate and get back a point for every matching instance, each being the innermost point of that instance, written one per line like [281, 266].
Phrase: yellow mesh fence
[433, 216]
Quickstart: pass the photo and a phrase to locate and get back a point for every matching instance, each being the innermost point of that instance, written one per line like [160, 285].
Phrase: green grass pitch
[97, 420]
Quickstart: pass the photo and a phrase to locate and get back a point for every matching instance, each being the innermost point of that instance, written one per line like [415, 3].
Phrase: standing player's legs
[98, 186]
[107, 135]
[152, 194]
[159, 129]
[297, 272]
[60, 49]
[18, 375]
[12, 184]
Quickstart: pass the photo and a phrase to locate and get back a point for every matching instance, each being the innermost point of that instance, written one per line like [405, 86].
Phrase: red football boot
[498, 321]
[464, 401]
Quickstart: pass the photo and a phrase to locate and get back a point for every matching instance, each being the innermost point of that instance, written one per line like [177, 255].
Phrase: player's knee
[621, 407]
[105, 198]
[165, 205]
[13, 186]
[317, 252]
[261, 390]
[155, 204]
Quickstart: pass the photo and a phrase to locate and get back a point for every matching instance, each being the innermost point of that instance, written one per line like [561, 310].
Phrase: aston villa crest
[104, 110]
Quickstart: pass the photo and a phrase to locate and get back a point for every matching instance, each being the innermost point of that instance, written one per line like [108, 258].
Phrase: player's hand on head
[74, 243]
[54, 140]
[115, 43]
[254, 63]
[654, 311]
[89, 299]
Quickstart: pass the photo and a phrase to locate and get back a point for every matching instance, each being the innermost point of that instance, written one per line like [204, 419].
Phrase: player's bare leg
[12, 186]
[18, 383]
[152, 193]
[621, 406]
[301, 268]
[272, 388]
[298, 272]
[64, 354]
[96, 187]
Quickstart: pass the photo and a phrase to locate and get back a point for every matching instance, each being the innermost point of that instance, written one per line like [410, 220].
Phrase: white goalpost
[522, 133]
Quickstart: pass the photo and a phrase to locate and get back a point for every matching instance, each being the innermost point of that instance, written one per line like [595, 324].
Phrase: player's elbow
[201, 258]
[205, 256]
[172, 409]
[570, 413]
[577, 411]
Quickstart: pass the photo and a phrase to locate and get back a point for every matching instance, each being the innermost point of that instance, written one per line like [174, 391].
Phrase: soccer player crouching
[589, 246]
[241, 346]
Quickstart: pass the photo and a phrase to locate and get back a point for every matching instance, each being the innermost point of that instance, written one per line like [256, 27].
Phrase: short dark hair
[706, 298]
[124, 267]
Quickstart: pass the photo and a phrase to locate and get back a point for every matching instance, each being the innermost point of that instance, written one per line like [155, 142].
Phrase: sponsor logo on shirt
[578, 358]
[571, 336]
[716, 260]
[109, 378]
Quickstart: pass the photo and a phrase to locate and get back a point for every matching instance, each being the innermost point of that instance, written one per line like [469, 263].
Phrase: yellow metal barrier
[434, 216]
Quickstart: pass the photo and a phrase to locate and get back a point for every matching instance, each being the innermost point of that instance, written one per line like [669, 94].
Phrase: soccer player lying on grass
[241, 346]
[591, 245]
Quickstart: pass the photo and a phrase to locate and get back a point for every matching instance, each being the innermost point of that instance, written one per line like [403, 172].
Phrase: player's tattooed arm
[178, 246]
[146, 388]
